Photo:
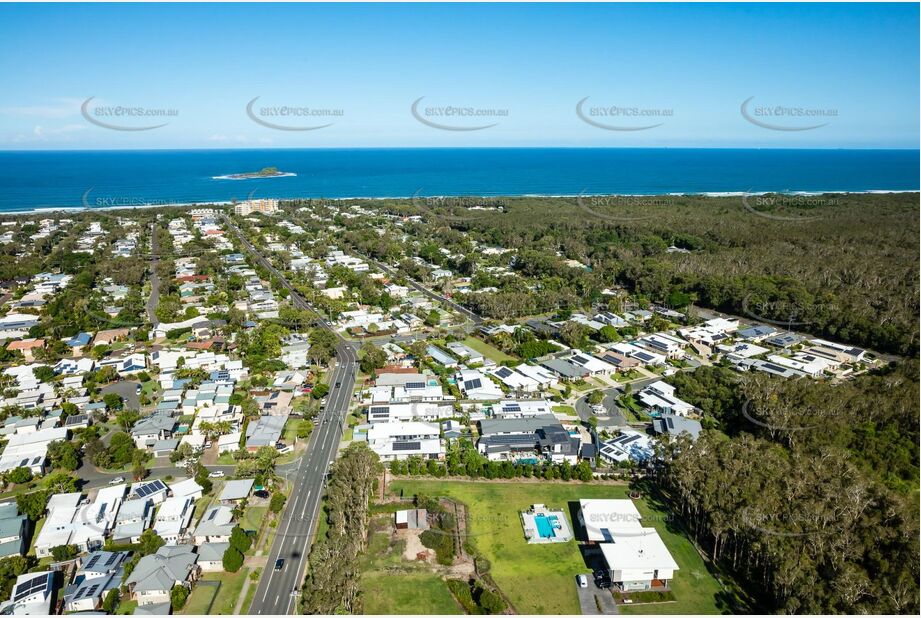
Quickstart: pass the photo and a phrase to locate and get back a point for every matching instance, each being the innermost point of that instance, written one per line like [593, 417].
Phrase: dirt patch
[414, 549]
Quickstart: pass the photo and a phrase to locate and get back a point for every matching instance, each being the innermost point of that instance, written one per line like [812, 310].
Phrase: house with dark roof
[527, 440]
[674, 425]
[156, 574]
[149, 430]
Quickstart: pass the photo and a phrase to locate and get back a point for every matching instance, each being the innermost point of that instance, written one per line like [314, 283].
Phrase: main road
[276, 593]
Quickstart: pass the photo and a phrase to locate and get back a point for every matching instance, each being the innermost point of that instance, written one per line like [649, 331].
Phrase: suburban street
[277, 589]
[433, 295]
[154, 297]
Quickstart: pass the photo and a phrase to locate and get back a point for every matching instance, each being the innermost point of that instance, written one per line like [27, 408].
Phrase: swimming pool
[546, 525]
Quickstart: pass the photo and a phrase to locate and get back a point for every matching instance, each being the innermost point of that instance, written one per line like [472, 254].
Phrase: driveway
[593, 598]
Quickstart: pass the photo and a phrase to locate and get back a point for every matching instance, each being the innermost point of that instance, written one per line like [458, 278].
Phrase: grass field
[224, 599]
[200, 601]
[392, 585]
[126, 607]
[253, 517]
[568, 410]
[539, 579]
[417, 593]
[490, 352]
[251, 593]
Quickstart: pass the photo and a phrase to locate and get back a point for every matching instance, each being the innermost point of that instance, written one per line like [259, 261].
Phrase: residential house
[215, 526]
[401, 440]
[13, 529]
[235, 491]
[211, 556]
[155, 575]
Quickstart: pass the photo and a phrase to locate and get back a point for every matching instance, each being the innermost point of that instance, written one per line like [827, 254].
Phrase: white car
[216, 474]
[117, 480]
[583, 581]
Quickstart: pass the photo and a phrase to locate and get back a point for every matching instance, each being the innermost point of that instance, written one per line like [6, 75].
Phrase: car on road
[216, 474]
[583, 581]
[117, 480]
[295, 592]
[279, 564]
[137, 391]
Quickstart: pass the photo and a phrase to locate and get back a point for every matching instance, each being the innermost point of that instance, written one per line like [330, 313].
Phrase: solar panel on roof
[406, 446]
[504, 372]
[579, 359]
[380, 409]
[513, 407]
[415, 385]
[92, 562]
[630, 440]
[475, 383]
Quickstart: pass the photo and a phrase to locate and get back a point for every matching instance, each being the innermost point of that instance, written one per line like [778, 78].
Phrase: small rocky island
[265, 172]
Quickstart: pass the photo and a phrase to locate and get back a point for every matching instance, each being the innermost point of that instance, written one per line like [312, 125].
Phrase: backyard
[392, 585]
[539, 579]
[209, 598]
[492, 353]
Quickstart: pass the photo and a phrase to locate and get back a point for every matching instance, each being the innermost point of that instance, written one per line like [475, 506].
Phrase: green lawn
[224, 599]
[251, 593]
[490, 352]
[253, 517]
[38, 528]
[567, 410]
[126, 607]
[539, 579]
[416, 593]
[200, 601]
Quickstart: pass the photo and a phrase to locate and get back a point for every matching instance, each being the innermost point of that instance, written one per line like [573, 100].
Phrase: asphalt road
[308, 477]
[127, 390]
[154, 297]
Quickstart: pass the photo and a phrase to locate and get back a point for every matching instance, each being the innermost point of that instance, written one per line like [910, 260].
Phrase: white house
[401, 440]
[660, 397]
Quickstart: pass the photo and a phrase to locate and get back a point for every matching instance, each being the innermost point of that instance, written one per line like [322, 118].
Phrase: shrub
[277, 503]
[232, 560]
[178, 596]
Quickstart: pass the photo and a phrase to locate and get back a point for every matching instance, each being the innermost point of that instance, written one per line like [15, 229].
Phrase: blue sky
[852, 68]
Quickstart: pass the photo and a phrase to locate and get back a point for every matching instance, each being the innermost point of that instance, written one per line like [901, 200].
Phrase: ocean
[33, 180]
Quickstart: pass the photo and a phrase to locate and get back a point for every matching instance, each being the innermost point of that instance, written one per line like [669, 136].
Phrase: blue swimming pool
[546, 525]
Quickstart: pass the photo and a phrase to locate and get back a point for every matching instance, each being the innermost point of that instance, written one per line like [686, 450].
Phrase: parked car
[216, 474]
[583, 581]
[279, 564]
[117, 480]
